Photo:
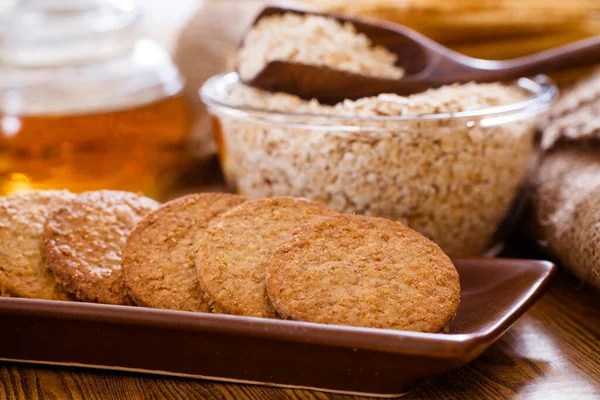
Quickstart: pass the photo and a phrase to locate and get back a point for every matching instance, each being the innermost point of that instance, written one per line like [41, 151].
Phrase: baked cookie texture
[232, 256]
[363, 271]
[83, 240]
[158, 258]
[23, 272]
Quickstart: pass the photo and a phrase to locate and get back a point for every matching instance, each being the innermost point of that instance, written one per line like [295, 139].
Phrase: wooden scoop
[427, 64]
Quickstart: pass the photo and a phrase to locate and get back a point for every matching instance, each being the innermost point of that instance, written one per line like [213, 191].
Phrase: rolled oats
[314, 40]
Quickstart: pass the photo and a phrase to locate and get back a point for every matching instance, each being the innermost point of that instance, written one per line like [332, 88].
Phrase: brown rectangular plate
[379, 362]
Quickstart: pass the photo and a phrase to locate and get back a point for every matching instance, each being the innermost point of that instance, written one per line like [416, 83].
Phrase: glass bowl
[458, 178]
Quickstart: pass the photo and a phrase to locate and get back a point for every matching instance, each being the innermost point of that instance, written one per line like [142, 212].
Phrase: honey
[87, 102]
[142, 149]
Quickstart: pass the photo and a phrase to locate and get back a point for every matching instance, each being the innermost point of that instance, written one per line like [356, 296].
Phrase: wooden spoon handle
[577, 54]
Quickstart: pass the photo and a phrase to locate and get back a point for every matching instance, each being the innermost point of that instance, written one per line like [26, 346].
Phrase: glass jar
[85, 102]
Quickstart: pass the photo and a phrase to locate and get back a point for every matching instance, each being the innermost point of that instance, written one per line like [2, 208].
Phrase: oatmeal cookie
[83, 240]
[232, 256]
[363, 271]
[158, 258]
[23, 272]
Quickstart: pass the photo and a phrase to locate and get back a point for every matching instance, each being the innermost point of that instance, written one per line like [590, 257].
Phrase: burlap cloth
[565, 200]
[205, 48]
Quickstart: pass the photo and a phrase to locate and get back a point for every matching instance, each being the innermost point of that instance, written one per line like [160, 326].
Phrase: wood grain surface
[553, 352]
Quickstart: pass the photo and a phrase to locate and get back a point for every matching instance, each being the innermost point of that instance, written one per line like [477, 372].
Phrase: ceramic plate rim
[393, 341]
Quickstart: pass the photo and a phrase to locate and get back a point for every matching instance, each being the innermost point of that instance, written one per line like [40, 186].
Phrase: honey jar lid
[76, 56]
[52, 32]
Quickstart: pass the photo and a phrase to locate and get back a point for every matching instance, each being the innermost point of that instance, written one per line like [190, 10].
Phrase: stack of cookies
[55, 245]
[279, 257]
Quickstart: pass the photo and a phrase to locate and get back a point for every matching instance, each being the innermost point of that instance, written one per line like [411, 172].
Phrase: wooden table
[552, 352]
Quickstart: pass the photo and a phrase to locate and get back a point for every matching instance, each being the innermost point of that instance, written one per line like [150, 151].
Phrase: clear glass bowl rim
[542, 90]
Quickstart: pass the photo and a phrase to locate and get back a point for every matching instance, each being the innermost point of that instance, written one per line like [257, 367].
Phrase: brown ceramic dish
[495, 293]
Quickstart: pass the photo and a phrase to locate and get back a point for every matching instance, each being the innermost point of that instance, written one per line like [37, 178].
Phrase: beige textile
[205, 48]
[566, 195]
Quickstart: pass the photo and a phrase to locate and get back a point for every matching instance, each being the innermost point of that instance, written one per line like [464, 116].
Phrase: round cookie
[363, 271]
[232, 255]
[23, 272]
[158, 258]
[83, 240]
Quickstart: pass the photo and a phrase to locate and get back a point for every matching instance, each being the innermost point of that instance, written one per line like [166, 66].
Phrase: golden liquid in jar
[142, 149]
